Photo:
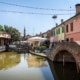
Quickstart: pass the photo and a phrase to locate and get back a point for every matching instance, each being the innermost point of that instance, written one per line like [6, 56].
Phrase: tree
[1, 27]
[15, 34]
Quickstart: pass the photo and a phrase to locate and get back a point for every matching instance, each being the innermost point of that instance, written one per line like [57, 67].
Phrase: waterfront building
[61, 36]
[44, 34]
[72, 26]
[68, 30]
[59, 32]
[4, 38]
[52, 35]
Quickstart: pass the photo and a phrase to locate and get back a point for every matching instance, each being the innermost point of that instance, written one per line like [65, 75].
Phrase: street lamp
[54, 17]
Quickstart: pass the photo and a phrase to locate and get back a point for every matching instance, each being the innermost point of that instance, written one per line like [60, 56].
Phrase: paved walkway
[38, 54]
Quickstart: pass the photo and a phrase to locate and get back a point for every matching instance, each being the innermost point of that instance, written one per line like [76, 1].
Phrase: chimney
[62, 20]
[56, 24]
[77, 8]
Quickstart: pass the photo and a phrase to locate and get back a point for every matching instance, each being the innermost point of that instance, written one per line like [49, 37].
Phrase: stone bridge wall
[72, 47]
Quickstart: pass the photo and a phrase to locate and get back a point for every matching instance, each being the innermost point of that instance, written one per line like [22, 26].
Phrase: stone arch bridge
[71, 47]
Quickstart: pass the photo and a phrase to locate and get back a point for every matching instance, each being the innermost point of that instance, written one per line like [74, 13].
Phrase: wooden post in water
[63, 61]
[77, 66]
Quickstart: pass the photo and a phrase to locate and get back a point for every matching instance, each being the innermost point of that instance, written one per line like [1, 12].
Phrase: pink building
[72, 27]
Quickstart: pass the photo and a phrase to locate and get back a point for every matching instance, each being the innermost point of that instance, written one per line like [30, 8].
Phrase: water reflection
[14, 66]
[8, 60]
[68, 72]
[26, 67]
[35, 61]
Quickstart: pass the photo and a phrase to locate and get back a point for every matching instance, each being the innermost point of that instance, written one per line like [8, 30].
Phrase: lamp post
[54, 17]
[51, 34]
[33, 31]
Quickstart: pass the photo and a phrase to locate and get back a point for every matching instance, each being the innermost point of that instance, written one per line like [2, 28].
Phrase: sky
[37, 14]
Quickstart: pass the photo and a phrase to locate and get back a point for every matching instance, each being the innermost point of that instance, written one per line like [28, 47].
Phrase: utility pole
[70, 11]
[33, 31]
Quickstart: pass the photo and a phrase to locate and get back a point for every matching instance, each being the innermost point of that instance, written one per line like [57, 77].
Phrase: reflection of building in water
[34, 61]
[8, 60]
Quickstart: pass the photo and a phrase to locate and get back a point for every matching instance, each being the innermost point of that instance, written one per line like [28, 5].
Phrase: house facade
[72, 27]
[68, 30]
[58, 32]
[4, 38]
[61, 35]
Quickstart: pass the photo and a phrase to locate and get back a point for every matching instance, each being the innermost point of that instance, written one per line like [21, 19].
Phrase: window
[58, 31]
[67, 39]
[71, 39]
[62, 29]
[54, 33]
[51, 33]
[71, 26]
[66, 28]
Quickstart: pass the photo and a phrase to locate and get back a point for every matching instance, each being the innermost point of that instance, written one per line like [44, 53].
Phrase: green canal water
[14, 66]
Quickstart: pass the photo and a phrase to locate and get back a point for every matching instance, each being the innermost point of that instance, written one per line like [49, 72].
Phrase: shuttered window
[62, 29]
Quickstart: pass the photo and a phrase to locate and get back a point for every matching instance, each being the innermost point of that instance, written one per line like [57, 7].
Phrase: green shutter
[62, 29]
[54, 33]
[59, 31]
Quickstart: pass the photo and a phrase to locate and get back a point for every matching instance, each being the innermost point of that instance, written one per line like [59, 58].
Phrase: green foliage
[15, 34]
[1, 27]
[40, 47]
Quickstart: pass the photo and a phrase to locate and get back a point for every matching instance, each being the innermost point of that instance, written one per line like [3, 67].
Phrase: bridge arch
[64, 55]
[71, 47]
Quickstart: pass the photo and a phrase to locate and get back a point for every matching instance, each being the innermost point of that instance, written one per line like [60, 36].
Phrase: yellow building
[58, 33]
[61, 32]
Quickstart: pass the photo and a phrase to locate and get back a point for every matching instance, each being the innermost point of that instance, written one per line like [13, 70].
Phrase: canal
[14, 66]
